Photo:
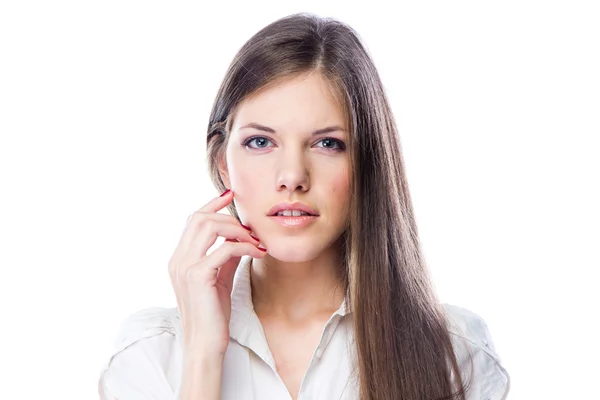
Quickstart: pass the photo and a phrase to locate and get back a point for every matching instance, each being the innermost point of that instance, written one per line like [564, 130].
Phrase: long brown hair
[404, 348]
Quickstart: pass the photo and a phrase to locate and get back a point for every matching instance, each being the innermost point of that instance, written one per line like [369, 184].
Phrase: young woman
[320, 290]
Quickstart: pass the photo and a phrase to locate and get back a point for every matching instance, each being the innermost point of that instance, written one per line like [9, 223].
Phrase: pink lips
[292, 206]
[294, 222]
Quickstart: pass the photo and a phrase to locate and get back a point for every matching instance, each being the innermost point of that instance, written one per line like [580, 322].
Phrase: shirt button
[485, 342]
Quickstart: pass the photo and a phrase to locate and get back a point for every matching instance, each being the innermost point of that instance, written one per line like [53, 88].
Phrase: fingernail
[246, 227]
[225, 192]
[261, 248]
[254, 237]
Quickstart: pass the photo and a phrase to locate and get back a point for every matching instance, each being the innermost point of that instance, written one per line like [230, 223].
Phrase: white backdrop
[103, 114]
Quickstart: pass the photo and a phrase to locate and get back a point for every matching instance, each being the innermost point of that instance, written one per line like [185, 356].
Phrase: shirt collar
[243, 317]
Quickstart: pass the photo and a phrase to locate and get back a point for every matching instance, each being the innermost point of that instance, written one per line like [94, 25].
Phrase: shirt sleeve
[501, 384]
[142, 364]
[491, 379]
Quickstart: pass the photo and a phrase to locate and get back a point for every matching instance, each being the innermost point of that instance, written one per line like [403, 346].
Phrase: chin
[295, 250]
[292, 256]
[298, 249]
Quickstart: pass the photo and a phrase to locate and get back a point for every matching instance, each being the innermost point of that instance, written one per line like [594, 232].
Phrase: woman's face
[274, 156]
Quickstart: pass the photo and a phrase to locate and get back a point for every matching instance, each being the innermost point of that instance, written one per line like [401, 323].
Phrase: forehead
[304, 102]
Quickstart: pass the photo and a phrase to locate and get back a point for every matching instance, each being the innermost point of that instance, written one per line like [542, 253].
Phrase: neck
[296, 292]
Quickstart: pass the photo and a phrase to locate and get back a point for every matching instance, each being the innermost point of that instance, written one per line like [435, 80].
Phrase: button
[319, 351]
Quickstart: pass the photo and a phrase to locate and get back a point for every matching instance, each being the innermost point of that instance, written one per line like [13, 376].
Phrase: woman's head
[297, 75]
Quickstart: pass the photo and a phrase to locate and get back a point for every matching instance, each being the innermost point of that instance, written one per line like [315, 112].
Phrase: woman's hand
[203, 283]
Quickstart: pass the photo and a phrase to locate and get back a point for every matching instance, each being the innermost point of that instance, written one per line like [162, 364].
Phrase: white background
[103, 114]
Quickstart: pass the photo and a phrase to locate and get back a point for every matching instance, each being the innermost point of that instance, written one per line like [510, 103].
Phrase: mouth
[294, 221]
[294, 210]
[292, 214]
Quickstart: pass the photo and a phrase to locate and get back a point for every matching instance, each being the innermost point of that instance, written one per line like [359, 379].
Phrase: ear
[223, 171]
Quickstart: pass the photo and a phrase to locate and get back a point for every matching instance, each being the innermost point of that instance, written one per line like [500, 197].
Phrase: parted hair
[403, 344]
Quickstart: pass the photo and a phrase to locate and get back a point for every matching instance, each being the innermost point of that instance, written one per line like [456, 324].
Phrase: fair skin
[295, 287]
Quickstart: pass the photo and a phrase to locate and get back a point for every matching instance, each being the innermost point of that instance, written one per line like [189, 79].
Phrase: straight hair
[403, 343]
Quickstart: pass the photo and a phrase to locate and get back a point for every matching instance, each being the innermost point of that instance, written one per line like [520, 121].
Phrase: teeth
[291, 213]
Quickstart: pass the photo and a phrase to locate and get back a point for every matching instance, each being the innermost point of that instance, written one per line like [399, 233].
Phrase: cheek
[243, 180]
[242, 175]
[339, 189]
[247, 185]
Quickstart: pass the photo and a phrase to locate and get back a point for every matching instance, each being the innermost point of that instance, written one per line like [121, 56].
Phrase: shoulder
[144, 357]
[145, 323]
[471, 337]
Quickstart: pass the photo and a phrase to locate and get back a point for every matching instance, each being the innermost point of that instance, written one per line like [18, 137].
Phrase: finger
[190, 233]
[218, 203]
[199, 217]
[207, 270]
[212, 206]
[199, 223]
[206, 237]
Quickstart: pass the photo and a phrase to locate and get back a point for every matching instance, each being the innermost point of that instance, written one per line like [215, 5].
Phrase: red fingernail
[225, 192]
[254, 237]
[261, 249]
[247, 227]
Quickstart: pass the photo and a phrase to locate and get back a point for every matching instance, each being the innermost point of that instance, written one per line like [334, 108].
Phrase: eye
[260, 141]
[330, 142]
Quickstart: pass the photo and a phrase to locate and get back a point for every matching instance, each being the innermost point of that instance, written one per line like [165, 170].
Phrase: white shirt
[146, 361]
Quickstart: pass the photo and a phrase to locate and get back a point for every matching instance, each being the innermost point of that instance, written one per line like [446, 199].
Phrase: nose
[293, 173]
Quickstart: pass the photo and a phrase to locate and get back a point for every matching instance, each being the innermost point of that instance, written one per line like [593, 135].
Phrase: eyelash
[341, 145]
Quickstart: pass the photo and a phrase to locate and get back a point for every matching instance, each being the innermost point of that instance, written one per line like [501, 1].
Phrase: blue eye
[258, 139]
[329, 143]
[339, 143]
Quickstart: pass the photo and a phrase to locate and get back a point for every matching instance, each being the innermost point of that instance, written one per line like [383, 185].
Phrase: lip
[292, 206]
[294, 222]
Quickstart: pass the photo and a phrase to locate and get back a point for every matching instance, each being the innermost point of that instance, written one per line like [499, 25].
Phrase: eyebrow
[263, 128]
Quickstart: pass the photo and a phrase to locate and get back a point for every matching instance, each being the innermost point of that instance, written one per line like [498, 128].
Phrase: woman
[320, 290]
